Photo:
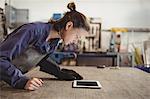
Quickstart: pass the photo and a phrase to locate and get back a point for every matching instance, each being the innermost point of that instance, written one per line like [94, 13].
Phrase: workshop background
[116, 53]
[117, 26]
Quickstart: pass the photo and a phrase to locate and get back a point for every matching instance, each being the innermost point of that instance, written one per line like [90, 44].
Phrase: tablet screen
[81, 83]
[86, 84]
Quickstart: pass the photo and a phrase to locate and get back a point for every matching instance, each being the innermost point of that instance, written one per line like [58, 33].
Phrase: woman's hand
[33, 84]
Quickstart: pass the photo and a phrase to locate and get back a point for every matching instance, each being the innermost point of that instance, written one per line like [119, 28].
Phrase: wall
[2, 3]
[114, 13]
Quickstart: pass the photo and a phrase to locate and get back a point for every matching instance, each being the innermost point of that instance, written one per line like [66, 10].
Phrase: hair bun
[71, 6]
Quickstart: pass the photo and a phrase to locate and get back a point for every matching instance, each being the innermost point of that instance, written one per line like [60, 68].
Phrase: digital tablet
[86, 84]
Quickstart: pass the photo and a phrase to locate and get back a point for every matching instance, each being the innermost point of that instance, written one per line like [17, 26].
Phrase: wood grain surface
[123, 83]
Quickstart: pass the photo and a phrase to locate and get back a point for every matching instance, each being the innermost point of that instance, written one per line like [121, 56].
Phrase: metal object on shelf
[3, 29]
[94, 38]
[15, 17]
[130, 56]
[97, 59]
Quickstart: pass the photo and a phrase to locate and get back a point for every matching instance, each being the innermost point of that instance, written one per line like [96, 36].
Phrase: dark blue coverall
[15, 44]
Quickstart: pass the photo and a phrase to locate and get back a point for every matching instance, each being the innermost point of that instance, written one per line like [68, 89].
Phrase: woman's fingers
[32, 87]
[41, 81]
[38, 81]
[33, 84]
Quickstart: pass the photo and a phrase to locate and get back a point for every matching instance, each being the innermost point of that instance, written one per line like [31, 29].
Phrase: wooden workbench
[123, 83]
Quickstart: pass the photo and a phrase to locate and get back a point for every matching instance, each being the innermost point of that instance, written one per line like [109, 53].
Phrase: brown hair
[78, 19]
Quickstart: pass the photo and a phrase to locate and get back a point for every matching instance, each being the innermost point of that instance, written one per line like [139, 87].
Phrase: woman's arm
[13, 46]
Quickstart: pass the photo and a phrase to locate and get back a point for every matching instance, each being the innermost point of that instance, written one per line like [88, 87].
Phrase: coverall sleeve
[14, 44]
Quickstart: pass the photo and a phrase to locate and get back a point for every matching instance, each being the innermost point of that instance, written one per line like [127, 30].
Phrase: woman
[38, 35]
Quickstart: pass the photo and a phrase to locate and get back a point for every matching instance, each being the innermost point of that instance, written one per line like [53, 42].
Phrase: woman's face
[73, 35]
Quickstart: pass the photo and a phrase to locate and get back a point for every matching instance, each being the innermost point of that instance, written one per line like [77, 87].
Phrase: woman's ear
[69, 25]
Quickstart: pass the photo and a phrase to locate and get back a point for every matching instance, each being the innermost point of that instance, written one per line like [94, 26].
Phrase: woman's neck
[53, 34]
